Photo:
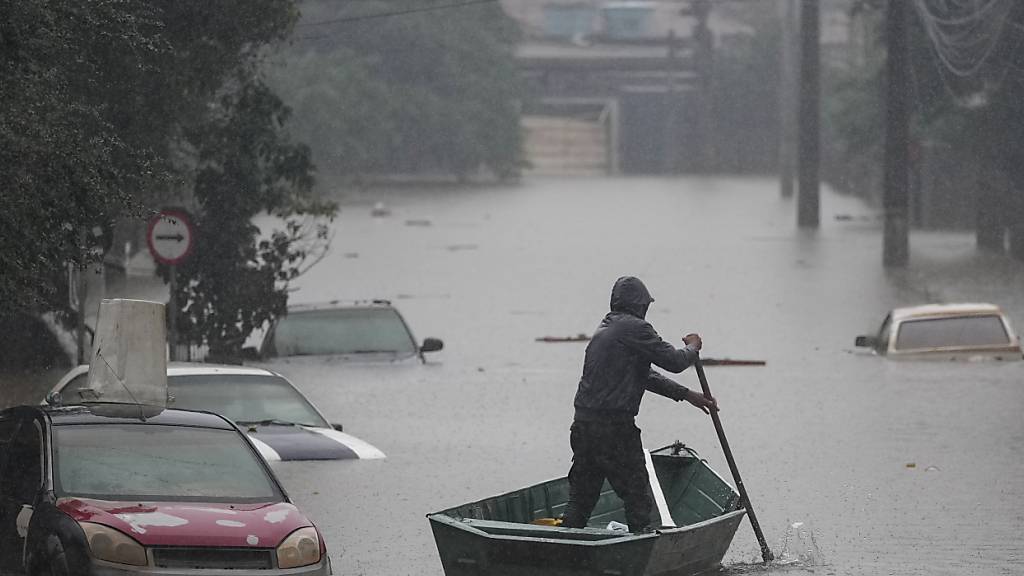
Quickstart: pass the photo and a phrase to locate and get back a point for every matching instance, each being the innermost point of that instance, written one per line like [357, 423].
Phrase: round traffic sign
[170, 237]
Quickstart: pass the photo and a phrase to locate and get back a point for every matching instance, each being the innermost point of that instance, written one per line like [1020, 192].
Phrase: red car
[110, 489]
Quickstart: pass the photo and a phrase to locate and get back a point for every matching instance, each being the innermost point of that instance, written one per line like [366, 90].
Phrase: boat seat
[541, 531]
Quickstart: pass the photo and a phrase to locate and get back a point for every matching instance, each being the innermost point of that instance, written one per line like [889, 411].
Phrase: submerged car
[371, 330]
[131, 489]
[280, 421]
[945, 331]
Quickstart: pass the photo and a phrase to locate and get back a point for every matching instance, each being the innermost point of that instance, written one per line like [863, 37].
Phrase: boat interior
[692, 492]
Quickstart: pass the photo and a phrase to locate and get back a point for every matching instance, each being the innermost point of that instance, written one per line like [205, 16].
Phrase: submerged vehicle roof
[192, 368]
[115, 413]
[940, 310]
[338, 305]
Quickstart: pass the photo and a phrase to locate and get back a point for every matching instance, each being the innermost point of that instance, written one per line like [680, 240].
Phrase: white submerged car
[945, 332]
[280, 421]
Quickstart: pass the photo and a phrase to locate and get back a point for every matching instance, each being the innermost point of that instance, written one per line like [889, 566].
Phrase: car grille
[222, 558]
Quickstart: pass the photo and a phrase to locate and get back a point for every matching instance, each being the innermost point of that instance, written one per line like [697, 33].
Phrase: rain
[789, 178]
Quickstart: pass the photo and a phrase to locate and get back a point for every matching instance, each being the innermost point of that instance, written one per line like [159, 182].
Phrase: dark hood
[631, 296]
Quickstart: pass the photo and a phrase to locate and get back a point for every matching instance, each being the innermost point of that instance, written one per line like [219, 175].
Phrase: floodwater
[888, 467]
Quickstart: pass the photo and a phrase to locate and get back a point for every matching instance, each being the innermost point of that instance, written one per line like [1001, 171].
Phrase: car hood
[192, 524]
[276, 442]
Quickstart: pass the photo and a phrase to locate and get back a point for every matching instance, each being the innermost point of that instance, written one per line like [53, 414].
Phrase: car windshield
[953, 332]
[156, 462]
[243, 398]
[342, 331]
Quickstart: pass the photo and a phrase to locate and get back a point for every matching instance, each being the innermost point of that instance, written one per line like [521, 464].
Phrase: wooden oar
[766, 553]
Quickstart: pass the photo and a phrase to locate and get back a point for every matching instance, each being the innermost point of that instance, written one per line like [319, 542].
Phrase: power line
[349, 19]
[966, 36]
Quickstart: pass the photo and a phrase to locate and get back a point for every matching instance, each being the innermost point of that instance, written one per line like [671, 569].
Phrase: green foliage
[233, 153]
[113, 107]
[65, 167]
[431, 92]
[236, 280]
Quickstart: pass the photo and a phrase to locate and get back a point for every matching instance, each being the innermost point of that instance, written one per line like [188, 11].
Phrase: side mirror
[431, 345]
[865, 342]
[338, 427]
[53, 399]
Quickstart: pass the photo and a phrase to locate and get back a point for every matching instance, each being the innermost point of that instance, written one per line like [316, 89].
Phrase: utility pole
[895, 245]
[673, 154]
[703, 52]
[808, 201]
[787, 10]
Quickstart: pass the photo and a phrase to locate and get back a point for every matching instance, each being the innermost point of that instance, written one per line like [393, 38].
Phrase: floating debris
[843, 217]
[731, 362]
[577, 338]
[418, 222]
[459, 247]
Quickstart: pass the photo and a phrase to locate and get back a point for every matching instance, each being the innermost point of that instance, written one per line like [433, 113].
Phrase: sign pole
[82, 286]
[171, 239]
[172, 311]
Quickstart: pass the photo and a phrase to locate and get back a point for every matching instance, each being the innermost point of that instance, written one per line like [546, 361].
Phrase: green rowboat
[505, 535]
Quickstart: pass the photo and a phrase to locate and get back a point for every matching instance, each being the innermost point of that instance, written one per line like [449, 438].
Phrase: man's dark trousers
[609, 450]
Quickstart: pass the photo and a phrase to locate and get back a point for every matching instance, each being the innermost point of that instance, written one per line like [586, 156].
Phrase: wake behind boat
[514, 533]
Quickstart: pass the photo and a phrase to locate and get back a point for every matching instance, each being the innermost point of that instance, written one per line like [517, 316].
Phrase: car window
[965, 331]
[342, 331]
[883, 335]
[156, 462]
[243, 398]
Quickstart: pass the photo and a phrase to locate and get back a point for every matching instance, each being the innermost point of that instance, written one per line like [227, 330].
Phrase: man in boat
[616, 371]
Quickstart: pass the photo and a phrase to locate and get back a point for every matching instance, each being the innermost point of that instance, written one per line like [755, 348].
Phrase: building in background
[656, 86]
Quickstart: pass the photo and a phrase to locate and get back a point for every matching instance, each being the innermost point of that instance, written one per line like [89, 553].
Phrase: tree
[426, 92]
[65, 167]
[236, 280]
[114, 107]
[237, 162]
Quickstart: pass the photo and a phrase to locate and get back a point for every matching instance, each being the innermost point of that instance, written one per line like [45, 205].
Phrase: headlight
[300, 548]
[113, 545]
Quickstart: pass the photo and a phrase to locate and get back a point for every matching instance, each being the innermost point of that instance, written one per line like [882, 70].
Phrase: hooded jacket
[617, 367]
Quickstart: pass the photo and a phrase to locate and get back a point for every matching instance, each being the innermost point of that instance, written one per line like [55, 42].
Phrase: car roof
[197, 368]
[942, 310]
[132, 414]
[339, 305]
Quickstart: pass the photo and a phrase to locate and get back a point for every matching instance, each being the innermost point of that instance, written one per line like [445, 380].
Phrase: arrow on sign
[177, 237]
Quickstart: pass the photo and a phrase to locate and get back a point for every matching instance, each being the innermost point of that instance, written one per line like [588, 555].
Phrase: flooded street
[897, 468]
